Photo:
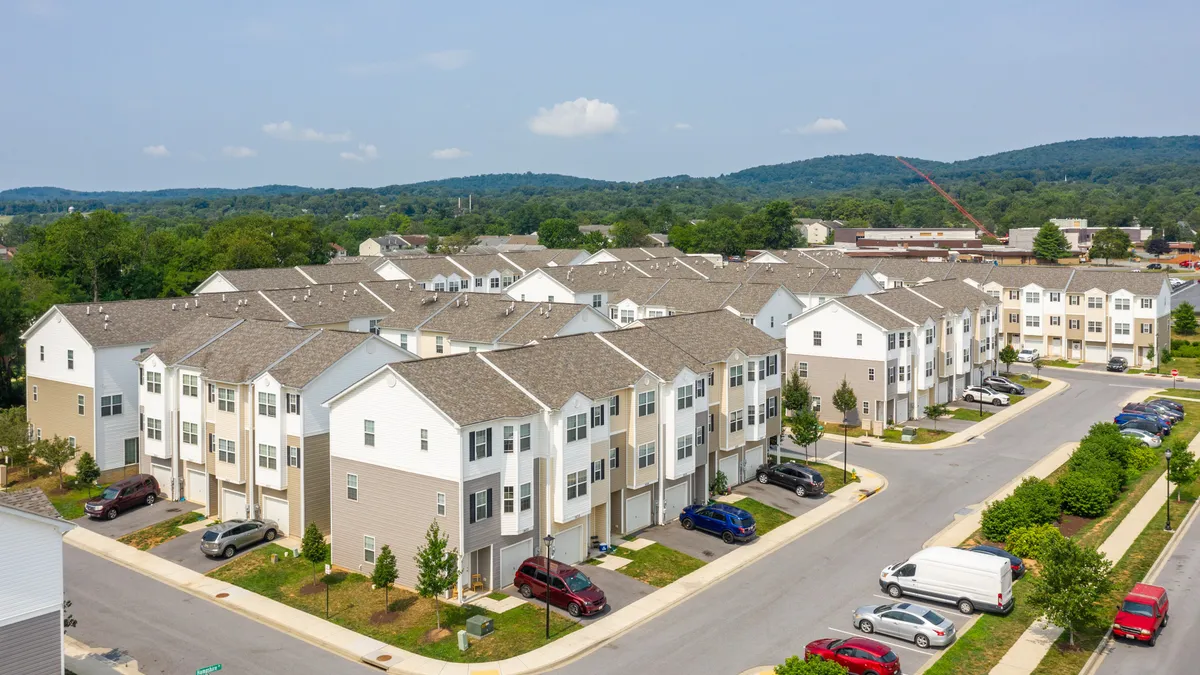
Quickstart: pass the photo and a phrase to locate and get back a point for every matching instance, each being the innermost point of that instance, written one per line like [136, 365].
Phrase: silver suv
[224, 539]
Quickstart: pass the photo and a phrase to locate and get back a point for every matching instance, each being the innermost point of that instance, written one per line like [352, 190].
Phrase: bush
[1029, 542]
[1142, 458]
[1085, 494]
[1107, 470]
[1004, 516]
[1106, 438]
[1043, 499]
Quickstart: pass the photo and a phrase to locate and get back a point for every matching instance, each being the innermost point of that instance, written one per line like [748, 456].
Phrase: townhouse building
[811, 285]
[230, 281]
[765, 306]
[899, 350]
[612, 255]
[231, 414]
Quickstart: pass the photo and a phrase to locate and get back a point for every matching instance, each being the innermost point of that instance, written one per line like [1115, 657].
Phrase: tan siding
[621, 421]
[617, 477]
[296, 520]
[55, 412]
[227, 425]
[427, 344]
[314, 461]
[646, 430]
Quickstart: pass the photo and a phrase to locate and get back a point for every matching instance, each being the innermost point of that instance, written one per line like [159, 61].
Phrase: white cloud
[238, 151]
[366, 152]
[448, 59]
[683, 126]
[822, 125]
[449, 153]
[286, 131]
[581, 117]
[156, 151]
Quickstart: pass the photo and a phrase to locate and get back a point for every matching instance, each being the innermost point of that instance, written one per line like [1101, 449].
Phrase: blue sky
[125, 95]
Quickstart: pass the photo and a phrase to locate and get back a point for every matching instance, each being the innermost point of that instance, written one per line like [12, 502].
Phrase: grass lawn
[923, 435]
[1182, 393]
[657, 565]
[1187, 366]
[1059, 363]
[970, 414]
[835, 429]
[766, 518]
[149, 537]
[1186, 429]
[832, 473]
[1031, 382]
[353, 604]
[69, 502]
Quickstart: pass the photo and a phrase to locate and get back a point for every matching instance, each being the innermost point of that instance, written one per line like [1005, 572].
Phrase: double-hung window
[70, 359]
[266, 404]
[646, 455]
[772, 365]
[1073, 300]
[268, 456]
[369, 433]
[891, 341]
[684, 446]
[226, 451]
[1055, 297]
[577, 482]
[645, 403]
[509, 498]
[509, 440]
[225, 398]
[293, 404]
[700, 383]
[293, 456]
[1147, 303]
[439, 344]
[1033, 297]
[154, 382]
[683, 397]
[479, 444]
[772, 407]
[802, 369]
[191, 385]
[481, 504]
[1095, 302]
[576, 427]
[1121, 304]
[110, 405]
[597, 300]
[816, 338]
[525, 439]
[1121, 328]
[526, 496]
[352, 487]
[614, 458]
[735, 376]
[598, 415]
[153, 429]
[191, 433]
[441, 503]
[369, 550]
[735, 421]
[929, 369]
[928, 336]
[598, 470]
[750, 415]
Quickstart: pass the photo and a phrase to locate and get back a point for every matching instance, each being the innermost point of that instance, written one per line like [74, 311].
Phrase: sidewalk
[397, 661]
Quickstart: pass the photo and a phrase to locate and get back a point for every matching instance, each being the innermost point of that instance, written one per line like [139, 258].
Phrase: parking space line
[875, 637]
[939, 610]
[833, 456]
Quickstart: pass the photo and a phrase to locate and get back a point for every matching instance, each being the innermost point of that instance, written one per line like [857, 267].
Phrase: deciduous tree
[1008, 356]
[313, 548]
[1110, 243]
[87, 471]
[1072, 581]
[558, 233]
[437, 567]
[55, 453]
[936, 411]
[1184, 319]
[813, 666]
[844, 398]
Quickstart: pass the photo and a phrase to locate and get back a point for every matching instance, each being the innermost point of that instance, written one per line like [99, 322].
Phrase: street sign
[208, 669]
[1174, 373]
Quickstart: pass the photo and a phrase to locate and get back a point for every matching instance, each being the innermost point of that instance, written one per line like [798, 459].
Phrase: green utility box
[480, 626]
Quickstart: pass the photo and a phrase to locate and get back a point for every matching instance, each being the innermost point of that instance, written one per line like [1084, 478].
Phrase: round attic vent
[391, 380]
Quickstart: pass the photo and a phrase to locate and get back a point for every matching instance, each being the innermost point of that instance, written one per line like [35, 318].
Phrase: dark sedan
[1118, 364]
[800, 479]
[1018, 565]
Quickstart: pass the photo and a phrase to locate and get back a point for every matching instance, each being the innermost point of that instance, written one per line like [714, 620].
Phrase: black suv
[798, 478]
[1117, 364]
[1003, 385]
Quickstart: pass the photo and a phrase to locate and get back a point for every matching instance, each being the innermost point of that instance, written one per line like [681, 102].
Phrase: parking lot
[137, 518]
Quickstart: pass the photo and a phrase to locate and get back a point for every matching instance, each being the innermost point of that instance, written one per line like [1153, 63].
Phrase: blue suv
[1126, 417]
[724, 520]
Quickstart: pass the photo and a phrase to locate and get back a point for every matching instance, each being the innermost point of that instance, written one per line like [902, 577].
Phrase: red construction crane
[950, 199]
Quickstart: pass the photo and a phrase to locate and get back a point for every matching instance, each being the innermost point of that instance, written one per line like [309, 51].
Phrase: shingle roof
[31, 500]
[247, 350]
[327, 304]
[555, 369]
[1137, 283]
[411, 305]
[483, 264]
[263, 278]
[188, 338]
[466, 389]
[655, 352]
[599, 277]
[530, 260]
[667, 269]
[316, 356]
[539, 325]
[1019, 276]
[953, 294]
[873, 312]
[690, 295]
[712, 336]
[838, 281]
[480, 317]
[909, 305]
[243, 305]
[336, 274]
[791, 256]
[913, 271]
[424, 268]
[750, 298]
[131, 322]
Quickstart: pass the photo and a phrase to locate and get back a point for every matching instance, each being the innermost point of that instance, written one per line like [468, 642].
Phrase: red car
[1143, 615]
[568, 587]
[860, 656]
[121, 495]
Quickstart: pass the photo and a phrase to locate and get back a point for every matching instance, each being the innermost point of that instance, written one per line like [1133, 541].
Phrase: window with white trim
[816, 338]
[646, 455]
[439, 344]
[1033, 296]
[293, 456]
[481, 505]
[441, 503]
[929, 369]
[509, 499]
[1095, 326]
[1121, 304]
[735, 376]
[225, 399]
[735, 421]
[1147, 328]
[70, 359]
[509, 439]
[1055, 297]
[226, 451]
[871, 374]
[577, 482]
[1121, 329]
[110, 405]
[684, 446]
[293, 404]
[928, 336]
[154, 382]
[866, 408]
[525, 439]
[1056, 320]
[191, 385]
[369, 432]
[1033, 321]
[576, 427]
[1073, 300]
[858, 339]
[352, 487]
[683, 397]
[266, 404]
[1147, 303]
[1095, 302]
[526, 496]
[191, 433]
[645, 403]
[154, 429]
[597, 300]
[268, 456]
[369, 550]
[802, 369]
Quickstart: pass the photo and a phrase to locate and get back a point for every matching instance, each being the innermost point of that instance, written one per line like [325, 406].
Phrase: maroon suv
[568, 587]
[121, 495]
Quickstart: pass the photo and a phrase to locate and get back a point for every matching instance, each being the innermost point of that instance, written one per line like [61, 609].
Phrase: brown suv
[123, 494]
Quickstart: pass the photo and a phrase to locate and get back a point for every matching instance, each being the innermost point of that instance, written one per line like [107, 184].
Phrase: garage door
[162, 474]
[754, 459]
[677, 498]
[511, 558]
[568, 545]
[637, 512]
[1126, 352]
[233, 505]
[729, 466]
[900, 410]
[1095, 352]
[196, 487]
[922, 401]
[277, 510]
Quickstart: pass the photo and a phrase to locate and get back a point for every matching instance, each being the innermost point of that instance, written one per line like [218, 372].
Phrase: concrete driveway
[137, 518]
[185, 550]
[619, 590]
[699, 545]
[779, 497]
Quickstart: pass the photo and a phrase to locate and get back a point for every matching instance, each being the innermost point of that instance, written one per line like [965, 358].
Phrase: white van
[971, 580]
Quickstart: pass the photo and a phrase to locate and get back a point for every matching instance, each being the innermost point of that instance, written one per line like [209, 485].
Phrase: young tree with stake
[384, 574]
[936, 411]
[437, 567]
[313, 548]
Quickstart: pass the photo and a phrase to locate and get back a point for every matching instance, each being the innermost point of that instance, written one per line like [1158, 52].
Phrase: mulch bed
[1072, 524]
[435, 635]
[380, 618]
[312, 589]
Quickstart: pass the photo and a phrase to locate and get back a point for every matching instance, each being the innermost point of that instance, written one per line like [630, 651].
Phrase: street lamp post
[1168, 527]
[981, 397]
[549, 540]
[845, 447]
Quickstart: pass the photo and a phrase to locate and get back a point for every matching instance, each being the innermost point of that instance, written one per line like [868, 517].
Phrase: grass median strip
[923, 435]
[766, 518]
[149, 537]
[658, 565]
[832, 473]
[970, 414]
[1182, 393]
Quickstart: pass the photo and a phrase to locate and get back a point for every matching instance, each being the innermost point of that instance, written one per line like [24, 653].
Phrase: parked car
[1169, 411]
[859, 656]
[1147, 438]
[1154, 266]
[1014, 561]
[1151, 424]
[802, 480]
[1003, 385]
[1186, 263]
[224, 539]
[1143, 614]
[984, 394]
[724, 520]
[1117, 364]
[1174, 405]
[970, 580]
[1152, 411]
[569, 588]
[906, 621]
[1028, 355]
[121, 495]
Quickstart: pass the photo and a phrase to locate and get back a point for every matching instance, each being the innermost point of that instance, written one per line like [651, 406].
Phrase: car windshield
[933, 617]
[1137, 608]
[835, 644]
[578, 582]
[889, 657]
[110, 493]
[211, 535]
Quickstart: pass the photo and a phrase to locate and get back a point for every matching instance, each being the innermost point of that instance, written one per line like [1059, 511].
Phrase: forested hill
[47, 194]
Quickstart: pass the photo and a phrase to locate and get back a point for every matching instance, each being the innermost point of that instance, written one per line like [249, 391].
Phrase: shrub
[1043, 499]
[1107, 470]
[1085, 494]
[1028, 542]
[1003, 516]
[1142, 458]
[1106, 438]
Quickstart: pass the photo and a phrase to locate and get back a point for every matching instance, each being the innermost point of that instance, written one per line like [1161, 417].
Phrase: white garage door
[196, 487]
[676, 499]
[637, 512]
[1127, 352]
[1095, 352]
[162, 474]
[922, 401]
[729, 466]
[233, 505]
[754, 459]
[1033, 343]
[511, 558]
[277, 510]
[568, 545]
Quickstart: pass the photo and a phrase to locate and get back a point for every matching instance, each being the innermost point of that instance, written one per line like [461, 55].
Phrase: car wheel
[573, 610]
[1166, 617]
[687, 524]
[727, 537]
[965, 607]
[922, 641]
[866, 626]
[800, 491]
[1153, 640]
[996, 401]
[229, 551]
[270, 535]
[150, 499]
[967, 397]
[762, 478]
[894, 591]
[112, 513]
[526, 591]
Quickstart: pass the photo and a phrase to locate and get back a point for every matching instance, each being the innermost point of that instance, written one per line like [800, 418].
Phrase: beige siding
[56, 411]
[775, 424]
[617, 477]
[314, 462]
[296, 520]
[645, 431]
[427, 344]
[228, 426]
[621, 421]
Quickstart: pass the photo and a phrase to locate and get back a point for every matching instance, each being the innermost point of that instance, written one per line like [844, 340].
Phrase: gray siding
[32, 646]
[395, 507]
[700, 453]
[825, 374]
[486, 532]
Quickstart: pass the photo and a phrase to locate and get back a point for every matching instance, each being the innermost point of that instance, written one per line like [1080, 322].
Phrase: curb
[1141, 376]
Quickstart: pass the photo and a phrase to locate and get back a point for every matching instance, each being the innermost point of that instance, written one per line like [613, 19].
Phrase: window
[81, 404]
[509, 499]
[1013, 317]
[683, 397]
[614, 406]
[293, 404]
[493, 282]
[626, 316]
[1073, 324]
[1033, 296]
[509, 440]
[369, 432]
[478, 282]
[1056, 321]
[439, 344]
[646, 454]
[700, 434]
[110, 405]
[526, 496]
[966, 325]
[369, 550]
[891, 371]
[373, 326]
[1095, 302]
[870, 374]
[598, 470]
[154, 383]
[949, 358]
[352, 487]
[645, 403]
[1121, 304]
[525, 438]
[700, 387]
[1147, 328]
[481, 505]
[404, 341]
[802, 369]
[42, 353]
[1073, 300]
[577, 482]
[750, 415]
[858, 339]
[597, 300]
[1121, 328]
[1033, 321]
[816, 404]
[507, 281]
[773, 364]
[191, 433]
[929, 369]
[901, 374]
[928, 336]
[71, 442]
[293, 456]
[614, 458]
[131, 449]
[439, 285]
[70, 359]
[866, 408]
[762, 369]
[191, 385]
[225, 399]
[266, 404]
[1055, 297]
[772, 407]
[735, 421]
[1147, 303]
[612, 312]
[441, 503]
[891, 340]
[479, 444]
[454, 285]
[226, 451]
[598, 415]
[35, 392]
[966, 354]
[576, 427]
[1014, 294]
[268, 456]
[816, 338]
[153, 429]
[950, 326]
[735, 376]
[1095, 327]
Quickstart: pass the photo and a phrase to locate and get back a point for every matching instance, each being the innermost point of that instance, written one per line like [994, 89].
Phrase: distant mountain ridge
[1089, 160]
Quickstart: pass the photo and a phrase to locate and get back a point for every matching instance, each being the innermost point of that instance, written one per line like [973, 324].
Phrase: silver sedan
[906, 621]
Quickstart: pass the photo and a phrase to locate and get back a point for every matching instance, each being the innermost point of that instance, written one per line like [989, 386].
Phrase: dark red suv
[123, 494]
[568, 587]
